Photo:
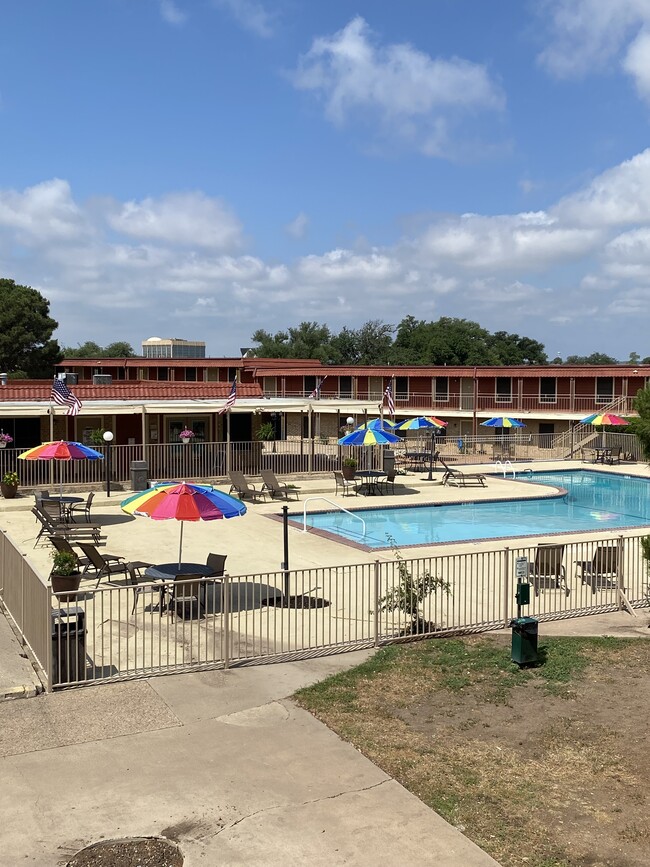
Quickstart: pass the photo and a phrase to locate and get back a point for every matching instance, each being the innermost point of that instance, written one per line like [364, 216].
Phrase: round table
[167, 571]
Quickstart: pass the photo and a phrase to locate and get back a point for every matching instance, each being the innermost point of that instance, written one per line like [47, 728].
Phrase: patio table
[371, 480]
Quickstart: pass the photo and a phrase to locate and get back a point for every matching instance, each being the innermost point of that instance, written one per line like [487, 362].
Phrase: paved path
[17, 676]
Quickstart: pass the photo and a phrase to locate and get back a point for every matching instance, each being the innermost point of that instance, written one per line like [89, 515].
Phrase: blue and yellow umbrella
[369, 437]
[503, 421]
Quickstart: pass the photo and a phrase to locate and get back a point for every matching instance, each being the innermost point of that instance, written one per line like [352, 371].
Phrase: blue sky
[204, 168]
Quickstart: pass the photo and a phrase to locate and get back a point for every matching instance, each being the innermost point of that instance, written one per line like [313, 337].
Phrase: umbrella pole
[180, 548]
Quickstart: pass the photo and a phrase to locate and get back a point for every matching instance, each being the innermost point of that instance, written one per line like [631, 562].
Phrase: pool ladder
[336, 506]
[504, 467]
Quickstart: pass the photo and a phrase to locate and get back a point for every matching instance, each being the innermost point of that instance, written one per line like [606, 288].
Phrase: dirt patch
[138, 852]
[540, 768]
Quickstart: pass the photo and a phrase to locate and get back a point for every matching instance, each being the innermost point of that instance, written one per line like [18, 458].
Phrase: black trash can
[68, 645]
[139, 475]
[524, 640]
[389, 461]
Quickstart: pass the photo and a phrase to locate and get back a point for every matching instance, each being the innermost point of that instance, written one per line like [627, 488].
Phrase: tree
[26, 328]
[90, 349]
[370, 344]
[513, 349]
[308, 340]
[641, 425]
[447, 341]
[594, 358]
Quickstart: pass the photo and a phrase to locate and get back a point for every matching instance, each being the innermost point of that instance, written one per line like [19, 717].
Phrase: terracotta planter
[67, 585]
[8, 491]
[348, 472]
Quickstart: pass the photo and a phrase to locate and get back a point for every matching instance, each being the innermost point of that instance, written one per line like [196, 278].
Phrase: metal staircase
[570, 442]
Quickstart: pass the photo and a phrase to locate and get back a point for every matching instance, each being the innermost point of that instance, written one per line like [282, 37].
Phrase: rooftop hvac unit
[68, 378]
[102, 379]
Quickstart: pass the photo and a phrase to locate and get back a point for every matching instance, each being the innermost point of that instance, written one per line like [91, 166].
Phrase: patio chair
[217, 562]
[104, 564]
[345, 484]
[243, 488]
[186, 589]
[459, 478]
[388, 482]
[276, 488]
[142, 585]
[601, 573]
[547, 572]
[81, 507]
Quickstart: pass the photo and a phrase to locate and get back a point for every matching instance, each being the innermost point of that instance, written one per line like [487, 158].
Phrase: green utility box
[524, 640]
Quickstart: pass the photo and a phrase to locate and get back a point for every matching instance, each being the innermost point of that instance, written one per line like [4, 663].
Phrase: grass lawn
[541, 767]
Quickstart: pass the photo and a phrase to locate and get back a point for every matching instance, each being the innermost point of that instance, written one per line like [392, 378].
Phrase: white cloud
[171, 13]
[298, 228]
[251, 15]
[189, 219]
[409, 94]
[591, 35]
[43, 213]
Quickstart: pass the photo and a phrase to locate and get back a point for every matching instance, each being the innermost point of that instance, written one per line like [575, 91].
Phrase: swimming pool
[594, 501]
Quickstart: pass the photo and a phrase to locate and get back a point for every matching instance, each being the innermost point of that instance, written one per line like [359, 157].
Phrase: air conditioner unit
[68, 378]
[102, 379]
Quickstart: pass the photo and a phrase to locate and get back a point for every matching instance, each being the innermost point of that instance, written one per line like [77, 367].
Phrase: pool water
[595, 501]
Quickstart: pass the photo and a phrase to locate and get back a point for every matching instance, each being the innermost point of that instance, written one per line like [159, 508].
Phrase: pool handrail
[504, 467]
[332, 503]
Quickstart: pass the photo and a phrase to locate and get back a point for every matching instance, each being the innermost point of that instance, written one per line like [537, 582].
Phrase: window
[604, 389]
[548, 389]
[441, 388]
[270, 386]
[504, 389]
[401, 388]
[345, 386]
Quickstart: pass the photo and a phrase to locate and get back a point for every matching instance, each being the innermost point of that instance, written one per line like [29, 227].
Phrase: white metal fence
[114, 633]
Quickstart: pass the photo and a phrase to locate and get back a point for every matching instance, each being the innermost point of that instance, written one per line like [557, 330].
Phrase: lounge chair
[276, 488]
[547, 572]
[459, 478]
[345, 484]
[601, 573]
[104, 564]
[243, 488]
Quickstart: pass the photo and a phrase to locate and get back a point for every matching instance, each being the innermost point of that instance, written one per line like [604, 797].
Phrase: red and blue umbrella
[503, 421]
[181, 501]
[62, 450]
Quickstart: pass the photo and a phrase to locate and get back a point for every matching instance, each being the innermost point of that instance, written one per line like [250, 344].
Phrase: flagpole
[51, 439]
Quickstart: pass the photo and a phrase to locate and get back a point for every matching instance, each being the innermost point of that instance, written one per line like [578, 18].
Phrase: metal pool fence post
[225, 608]
[506, 585]
[376, 605]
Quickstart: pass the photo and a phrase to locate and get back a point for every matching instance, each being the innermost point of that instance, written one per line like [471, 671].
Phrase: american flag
[315, 395]
[62, 395]
[232, 397]
[388, 394]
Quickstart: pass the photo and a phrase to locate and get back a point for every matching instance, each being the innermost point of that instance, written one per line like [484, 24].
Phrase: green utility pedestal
[524, 640]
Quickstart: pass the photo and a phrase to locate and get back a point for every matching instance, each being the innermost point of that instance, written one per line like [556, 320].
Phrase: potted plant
[9, 485]
[5, 439]
[186, 435]
[349, 467]
[65, 575]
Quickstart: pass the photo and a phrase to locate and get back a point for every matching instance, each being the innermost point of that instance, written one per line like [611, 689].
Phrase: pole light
[108, 439]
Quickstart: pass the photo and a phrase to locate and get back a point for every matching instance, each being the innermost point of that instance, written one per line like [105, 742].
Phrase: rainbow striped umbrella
[503, 421]
[183, 502]
[62, 450]
[605, 418]
[422, 421]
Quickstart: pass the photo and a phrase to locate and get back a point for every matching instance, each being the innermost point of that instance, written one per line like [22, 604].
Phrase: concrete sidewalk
[17, 676]
[222, 762]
